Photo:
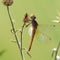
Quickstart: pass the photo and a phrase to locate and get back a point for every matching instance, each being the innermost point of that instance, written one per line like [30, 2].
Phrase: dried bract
[8, 2]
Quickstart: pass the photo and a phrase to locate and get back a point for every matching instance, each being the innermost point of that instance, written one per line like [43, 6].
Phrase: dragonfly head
[33, 17]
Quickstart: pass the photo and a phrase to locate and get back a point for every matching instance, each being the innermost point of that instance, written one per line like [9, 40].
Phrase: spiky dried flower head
[26, 18]
[8, 2]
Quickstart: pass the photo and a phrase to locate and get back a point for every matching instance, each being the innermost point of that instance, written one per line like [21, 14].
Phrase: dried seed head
[26, 18]
[8, 2]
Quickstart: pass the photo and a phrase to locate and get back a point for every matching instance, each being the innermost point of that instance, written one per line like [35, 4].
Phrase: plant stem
[21, 40]
[57, 50]
[20, 47]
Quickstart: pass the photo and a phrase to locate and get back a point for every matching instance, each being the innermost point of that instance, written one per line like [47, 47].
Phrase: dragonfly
[34, 29]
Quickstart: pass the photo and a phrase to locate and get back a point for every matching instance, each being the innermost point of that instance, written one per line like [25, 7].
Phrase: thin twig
[22, 39]
[13, 28]
[57, 50]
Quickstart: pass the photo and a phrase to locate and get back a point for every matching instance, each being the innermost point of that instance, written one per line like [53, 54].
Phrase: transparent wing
[46, 27]
[42, 32]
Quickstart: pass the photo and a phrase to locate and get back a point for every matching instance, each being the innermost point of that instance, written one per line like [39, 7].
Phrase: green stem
[15, 33]
[21, 44]
[57, 50]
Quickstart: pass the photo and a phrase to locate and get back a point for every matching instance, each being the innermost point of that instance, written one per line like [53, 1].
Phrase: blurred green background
[45, 11]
